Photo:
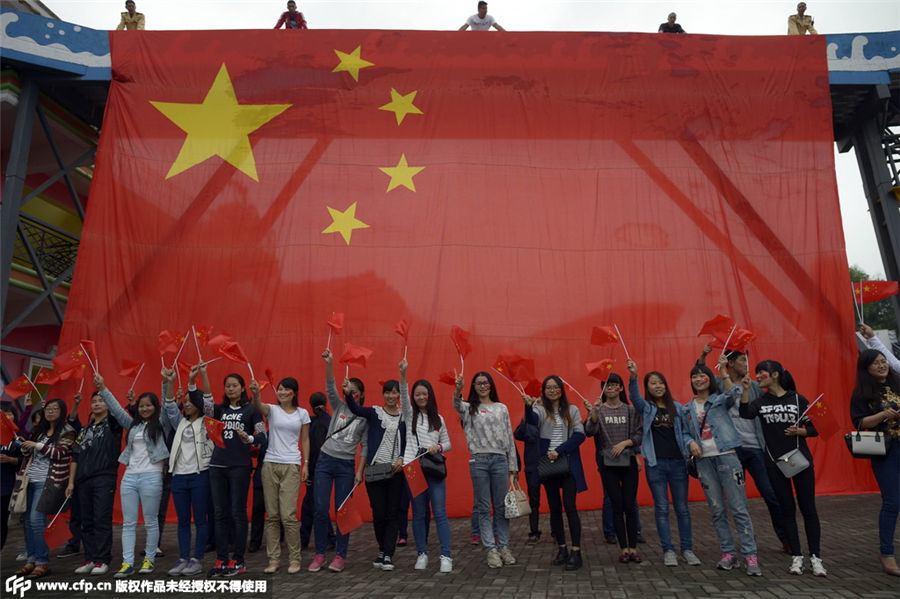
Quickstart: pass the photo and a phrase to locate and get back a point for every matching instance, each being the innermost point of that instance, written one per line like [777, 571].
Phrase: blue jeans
[670, 474]
[754, 462]
[189, 492]
[490, 479]
[436, 495]
[140, 490]
[722, 479]
[35, 523]
[609, 527]
[476, 530]
[331, 471]
[887, 473]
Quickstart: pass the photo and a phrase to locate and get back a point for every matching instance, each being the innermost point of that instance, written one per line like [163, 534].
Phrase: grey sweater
[346, 431]
[489, 430]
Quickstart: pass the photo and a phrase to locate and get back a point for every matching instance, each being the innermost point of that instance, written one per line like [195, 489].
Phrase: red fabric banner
[523, 186]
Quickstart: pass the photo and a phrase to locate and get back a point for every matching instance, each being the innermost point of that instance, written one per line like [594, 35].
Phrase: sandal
[25, 570]
[39, 571]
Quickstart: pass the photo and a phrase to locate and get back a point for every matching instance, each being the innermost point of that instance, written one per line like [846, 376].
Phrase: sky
[698, 16]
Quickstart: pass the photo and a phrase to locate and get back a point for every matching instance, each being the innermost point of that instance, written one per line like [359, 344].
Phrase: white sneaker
[670, 559]
[507, 556]
[446, 564]
[796, 565]
[99, 569]
[493, 559]
[421, 561]
[817, 567]
[690, 557]
[84, 568]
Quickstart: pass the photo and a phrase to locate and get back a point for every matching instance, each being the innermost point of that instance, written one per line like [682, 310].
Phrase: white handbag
[515, 504]
[867, 444]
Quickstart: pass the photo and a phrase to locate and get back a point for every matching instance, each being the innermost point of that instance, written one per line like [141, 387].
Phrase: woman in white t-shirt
[283, 470]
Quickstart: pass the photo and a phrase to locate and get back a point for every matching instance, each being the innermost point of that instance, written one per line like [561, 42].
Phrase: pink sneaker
[475, 540]
[337, 564]
[317, 563]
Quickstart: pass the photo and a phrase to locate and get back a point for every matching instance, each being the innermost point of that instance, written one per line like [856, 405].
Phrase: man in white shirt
[482, 21]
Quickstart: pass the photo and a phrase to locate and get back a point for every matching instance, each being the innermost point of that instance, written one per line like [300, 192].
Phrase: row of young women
[662, 429]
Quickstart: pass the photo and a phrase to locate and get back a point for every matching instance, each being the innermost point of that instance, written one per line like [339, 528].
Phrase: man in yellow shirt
[131, 19]
[801, 22]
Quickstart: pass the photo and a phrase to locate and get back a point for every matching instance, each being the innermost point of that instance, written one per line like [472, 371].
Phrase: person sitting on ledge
[670, 26]
[291, 18]
[131, 19]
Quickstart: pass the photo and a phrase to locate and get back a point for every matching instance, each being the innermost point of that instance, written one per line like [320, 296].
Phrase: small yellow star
[351, 63]
[344, 222]
[401, 105]
[402, 174]
[218, 126]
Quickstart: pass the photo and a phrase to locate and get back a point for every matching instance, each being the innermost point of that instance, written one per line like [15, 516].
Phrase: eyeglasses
[483, 384]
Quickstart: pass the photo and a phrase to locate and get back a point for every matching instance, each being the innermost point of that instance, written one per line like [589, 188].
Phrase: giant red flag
[530, 184]
[872, 291]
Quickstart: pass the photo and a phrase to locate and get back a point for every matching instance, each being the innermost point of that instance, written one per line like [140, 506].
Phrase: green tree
[880, 314]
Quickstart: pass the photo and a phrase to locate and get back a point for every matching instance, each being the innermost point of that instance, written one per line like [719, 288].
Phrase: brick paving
[849, 547]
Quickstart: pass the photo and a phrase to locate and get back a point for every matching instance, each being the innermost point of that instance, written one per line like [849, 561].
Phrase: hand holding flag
[600, 370]
[335, 326]
[460, 339]
[355, 354]
[402, 329]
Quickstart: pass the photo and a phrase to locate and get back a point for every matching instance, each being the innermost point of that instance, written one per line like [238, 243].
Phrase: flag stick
[134, 382]
[80, 385]
[328, 345]
[177, 374]
[60, 509]
[725, 345]
[196, 343]
[573, 389]
[808, 408]
[405, 347]
[349, 495]
[622, 340]
[88, 356]
[177, 355]
[346, 371]
[462, 365]
[856, 309]
[252, 376]
[511, 382]
[162, 360]
[33, 386]
[861, 304]
[211, 361]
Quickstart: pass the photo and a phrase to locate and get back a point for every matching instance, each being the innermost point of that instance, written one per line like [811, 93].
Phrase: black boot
[562, 556]
[574, 562]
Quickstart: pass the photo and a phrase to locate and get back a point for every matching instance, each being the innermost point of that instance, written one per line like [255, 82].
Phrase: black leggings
[384, 497]
[805, 485]
[534, 500]
[564, 487]
[620, 484]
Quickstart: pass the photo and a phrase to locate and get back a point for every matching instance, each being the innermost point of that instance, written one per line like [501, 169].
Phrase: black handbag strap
[797, 399]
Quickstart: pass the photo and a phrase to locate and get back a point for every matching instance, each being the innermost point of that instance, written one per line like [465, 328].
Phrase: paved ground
[849, 538]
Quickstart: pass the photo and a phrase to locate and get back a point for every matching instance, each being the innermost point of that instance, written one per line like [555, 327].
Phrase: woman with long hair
[617, 429]
[144, 456]
[779, 411]
[284, 469]
[229, 468]
[711, 437]
[386, 442]
[45, 459]
[875, 405]
[493, 464]
[666, 468]
[426, 435]
[562, 433]
[336, 469]
[189, 464]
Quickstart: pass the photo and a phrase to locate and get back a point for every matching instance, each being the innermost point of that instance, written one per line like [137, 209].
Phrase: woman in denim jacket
[666, 468]
[711, 438]
[144, 456]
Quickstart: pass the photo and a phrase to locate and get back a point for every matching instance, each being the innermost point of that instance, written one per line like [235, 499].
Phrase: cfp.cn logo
[17, 585]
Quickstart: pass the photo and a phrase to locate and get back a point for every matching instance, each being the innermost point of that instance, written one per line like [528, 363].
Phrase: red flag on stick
[214, 430]
[91, 349]
[719, 327]
[461, 341]
[600, 370]
[448, 378]
[415, 477]
[604, 336]
[872, 291]
[232, 351]
[19, 387]
[72, 362]
[46, 377]
[402, 329]
[130, 368]
[168, 342]
[355, 354]
[534, 388]
[8, 428]
[57, 532]
[350, 515]
[336, 322]
[738, 342]
[218, 341]
[270, 375]
[202, 333]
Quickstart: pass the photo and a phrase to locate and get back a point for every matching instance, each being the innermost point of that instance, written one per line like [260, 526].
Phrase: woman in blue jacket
[666, 467]
[144, 456]
[711, 438]
[561, 435]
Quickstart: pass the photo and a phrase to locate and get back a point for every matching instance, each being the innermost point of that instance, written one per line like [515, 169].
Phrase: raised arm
[115, 410]
[406, 409]
[257, 400]
[461, 407]
[634, 389]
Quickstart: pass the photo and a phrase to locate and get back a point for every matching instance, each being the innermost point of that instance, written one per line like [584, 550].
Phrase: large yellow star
[402, 174]
[219, 126]
[401, 105]
[344, 222]
[351, 63]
